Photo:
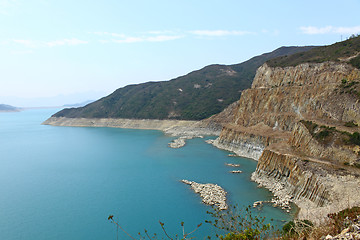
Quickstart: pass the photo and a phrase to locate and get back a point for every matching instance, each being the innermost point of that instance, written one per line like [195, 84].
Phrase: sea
[64, 182]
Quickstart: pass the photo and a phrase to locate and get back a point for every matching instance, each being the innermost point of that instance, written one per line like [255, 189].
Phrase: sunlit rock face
[269, 125]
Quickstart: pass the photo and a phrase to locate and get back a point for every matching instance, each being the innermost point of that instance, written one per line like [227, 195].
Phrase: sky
[60, 52]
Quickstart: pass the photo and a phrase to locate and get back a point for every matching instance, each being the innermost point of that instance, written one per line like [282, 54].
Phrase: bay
[64, 182]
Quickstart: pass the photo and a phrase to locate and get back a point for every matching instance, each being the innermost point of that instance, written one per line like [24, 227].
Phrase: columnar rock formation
[271, 124]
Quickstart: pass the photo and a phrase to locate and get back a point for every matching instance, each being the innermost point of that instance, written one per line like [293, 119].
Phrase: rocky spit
[235, 171]
[232, 165]
[178, 143]
[211, 194]
[181, 141]
[232, 155]
[257, 203]
[210, 141]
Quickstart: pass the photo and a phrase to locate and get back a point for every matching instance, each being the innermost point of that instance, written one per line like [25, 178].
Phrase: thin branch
[183, 228]
[162, 226]
[122, 229]
[193, 230]
[147, 234]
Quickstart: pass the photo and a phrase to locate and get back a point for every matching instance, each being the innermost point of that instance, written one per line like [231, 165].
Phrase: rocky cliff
[300, 123]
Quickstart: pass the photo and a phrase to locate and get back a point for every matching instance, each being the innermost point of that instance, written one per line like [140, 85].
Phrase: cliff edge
[301, 124]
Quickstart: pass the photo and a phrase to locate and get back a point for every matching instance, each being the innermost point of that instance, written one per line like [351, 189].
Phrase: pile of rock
[349, 233]
[210, 141]
[179, 142]
[257, 203]
[232, 165]
[211, 194]
[282, 202]
[281, 197]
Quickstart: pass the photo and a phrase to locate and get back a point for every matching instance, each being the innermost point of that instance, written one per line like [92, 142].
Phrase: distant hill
[8, 108]
[82, 104]
[348, 51]
[195, 96]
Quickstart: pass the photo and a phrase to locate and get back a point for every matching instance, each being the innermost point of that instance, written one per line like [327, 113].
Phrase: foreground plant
[297, 229]
[184, 235]
[241, 224]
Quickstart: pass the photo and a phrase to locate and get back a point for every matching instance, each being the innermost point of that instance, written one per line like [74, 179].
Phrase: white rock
[211, 194]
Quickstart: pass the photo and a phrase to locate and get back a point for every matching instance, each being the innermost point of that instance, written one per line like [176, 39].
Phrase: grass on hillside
[335, 52]
[330, 135]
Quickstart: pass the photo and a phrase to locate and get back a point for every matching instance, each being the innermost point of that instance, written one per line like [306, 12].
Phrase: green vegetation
[183, 236]
[329, 135]
[351, 124]
[354, 138]
[197, 95]
[297, 228]
[241, 224]
[349, 87]
[334, 52]
[309, 125]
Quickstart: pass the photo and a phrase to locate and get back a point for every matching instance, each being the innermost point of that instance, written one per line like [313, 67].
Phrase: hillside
[345, 51]
[195, 96]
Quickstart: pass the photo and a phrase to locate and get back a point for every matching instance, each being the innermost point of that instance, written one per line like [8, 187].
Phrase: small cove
[63, 182]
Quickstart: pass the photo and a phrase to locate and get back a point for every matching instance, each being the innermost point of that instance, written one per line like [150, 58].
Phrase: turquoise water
[63, 182]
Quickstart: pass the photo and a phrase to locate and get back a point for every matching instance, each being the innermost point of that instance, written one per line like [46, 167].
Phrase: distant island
[8, 108]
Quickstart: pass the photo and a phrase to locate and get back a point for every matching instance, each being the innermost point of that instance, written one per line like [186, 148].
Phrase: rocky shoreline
[185, 130]
[281, 198]
[211, 194]
[180, 128]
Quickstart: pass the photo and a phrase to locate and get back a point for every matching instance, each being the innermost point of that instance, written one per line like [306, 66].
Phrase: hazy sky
[90, 48]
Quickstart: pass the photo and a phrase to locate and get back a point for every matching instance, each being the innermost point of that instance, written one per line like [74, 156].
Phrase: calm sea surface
[63, 182]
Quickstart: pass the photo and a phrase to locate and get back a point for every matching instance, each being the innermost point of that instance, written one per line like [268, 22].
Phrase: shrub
[322, 134]
[240, 224]
[183, 236]
[350, 124]
[355, 138]
[309, 125]
[297, 228]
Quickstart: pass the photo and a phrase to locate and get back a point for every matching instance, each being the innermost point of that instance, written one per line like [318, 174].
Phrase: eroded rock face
[302, 140]
[291, 162]
[279, 97]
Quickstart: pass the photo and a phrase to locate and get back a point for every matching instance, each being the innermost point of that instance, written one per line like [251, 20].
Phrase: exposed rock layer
[291, 162]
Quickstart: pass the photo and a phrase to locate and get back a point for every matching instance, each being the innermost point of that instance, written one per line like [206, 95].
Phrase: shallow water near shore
[63, 182]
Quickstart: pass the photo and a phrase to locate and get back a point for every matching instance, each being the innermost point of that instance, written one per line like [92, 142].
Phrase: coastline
[182, 129]
[170, 127]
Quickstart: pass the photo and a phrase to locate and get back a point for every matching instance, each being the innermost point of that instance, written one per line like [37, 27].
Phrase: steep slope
[195, 96]
[301, 124]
